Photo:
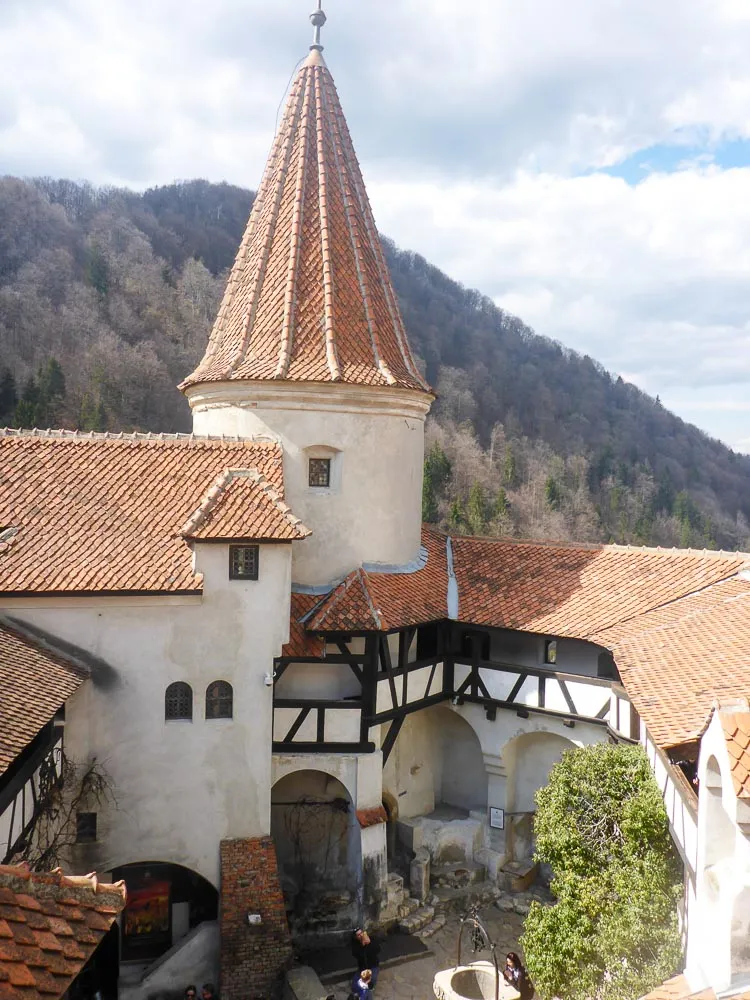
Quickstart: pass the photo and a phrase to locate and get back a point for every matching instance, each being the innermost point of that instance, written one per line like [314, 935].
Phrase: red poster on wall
[147, 911]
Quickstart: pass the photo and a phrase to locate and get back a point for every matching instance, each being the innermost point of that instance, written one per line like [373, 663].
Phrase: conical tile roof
[309, 298]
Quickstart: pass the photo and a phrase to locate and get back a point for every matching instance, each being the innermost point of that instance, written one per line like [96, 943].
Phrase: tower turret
[309, 345]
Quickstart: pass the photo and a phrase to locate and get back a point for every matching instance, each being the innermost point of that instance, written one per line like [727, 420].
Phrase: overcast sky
[586, 163]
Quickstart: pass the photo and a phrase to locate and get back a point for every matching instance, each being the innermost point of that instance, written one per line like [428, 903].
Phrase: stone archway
[318, 845]
[166, 902]
[528, 759]
[460, 775]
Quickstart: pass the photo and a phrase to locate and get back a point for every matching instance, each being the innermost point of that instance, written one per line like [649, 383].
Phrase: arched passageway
[528, 760]
[318, 846]
[165, 902]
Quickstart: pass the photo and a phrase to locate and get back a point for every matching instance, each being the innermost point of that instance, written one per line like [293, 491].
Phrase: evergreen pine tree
[475, 509]
[456, 515]
[8, 395]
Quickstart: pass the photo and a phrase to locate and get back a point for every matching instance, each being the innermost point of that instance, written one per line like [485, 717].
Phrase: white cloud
[651, 280]
[472, 122]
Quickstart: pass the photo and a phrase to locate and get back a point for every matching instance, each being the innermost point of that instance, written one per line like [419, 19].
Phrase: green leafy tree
[552, 493]
[501, 507]
[8, 395]
[93, 416]
[429, 499]
[437, 472]
[509, 466]
[27, 411]
[612, 932]
[476, 509]
[456, 517]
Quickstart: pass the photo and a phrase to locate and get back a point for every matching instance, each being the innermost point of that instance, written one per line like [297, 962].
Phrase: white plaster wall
[372, 513]
[414, 771]
[528, 759]
[180, 787]
[574, 656]
[722, 867]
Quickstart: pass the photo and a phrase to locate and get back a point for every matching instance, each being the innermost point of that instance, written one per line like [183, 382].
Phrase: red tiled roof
[243, 504]
[574, 590]
[736, 726]
[677, 621]
[100, 513]
[34, 682]
[679, 659]
[50, 925]
[309, 297]
[301, 642]
[383, 601]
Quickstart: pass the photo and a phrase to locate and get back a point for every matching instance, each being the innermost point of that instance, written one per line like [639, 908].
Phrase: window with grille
[320, 473]
[85, 828]
[178, 701]
[243, 562]
[219, 697]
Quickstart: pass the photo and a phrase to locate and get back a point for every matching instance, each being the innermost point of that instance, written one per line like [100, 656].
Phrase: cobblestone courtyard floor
[413, 980]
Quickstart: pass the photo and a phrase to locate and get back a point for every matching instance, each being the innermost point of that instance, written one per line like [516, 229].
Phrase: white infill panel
[342, 726]
[500, 683]
[284, 719]
[418, 680]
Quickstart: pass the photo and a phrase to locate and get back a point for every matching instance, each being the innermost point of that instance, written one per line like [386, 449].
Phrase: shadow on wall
[528, 759]
[318, 845]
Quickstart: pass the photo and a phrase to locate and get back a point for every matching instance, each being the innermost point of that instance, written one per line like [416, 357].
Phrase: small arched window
[178, 701]
[219, 698]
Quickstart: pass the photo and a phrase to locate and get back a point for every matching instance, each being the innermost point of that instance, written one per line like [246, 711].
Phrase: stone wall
[253, 957]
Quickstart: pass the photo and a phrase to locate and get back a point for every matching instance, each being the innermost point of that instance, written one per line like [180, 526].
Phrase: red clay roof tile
[34, 682]
[309, 297]
[242, 504]
[36, 963]
[104, 513]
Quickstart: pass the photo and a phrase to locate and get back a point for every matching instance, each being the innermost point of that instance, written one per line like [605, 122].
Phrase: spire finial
[318, 19]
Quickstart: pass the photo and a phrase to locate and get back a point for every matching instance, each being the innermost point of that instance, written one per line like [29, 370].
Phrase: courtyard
[412, 979]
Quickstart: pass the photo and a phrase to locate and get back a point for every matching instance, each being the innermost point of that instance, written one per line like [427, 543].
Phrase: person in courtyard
[516, 975]
[363, 986]
[191, 993]
[209, 992]
[366, 952]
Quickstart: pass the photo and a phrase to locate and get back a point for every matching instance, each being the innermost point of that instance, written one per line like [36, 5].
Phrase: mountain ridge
[118, 291]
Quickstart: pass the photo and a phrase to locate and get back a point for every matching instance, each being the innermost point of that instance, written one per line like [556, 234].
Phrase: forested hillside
[107, 297]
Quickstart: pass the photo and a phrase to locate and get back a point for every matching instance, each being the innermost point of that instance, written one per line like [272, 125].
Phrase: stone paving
[413, 980]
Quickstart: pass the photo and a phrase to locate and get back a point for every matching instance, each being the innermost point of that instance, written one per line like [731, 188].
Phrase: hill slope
[107, 296]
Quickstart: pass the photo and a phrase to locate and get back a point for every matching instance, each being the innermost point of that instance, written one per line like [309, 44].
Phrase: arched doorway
[165, 903]
[390, 805]
[318, 846]
[528, 759]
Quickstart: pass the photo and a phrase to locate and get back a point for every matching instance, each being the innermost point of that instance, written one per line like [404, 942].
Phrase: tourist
[208, 992]
[366, 952]
[191, 993]
[363, 986]
[516, 975]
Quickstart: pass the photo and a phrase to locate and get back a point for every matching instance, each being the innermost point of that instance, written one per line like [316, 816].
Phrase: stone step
[419, 919]
[434, 925]
[457, 900]
[408, 906]
[519, 876]
[457, 874]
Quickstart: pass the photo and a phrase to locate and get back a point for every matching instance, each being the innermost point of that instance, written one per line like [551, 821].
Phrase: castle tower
[310, 348]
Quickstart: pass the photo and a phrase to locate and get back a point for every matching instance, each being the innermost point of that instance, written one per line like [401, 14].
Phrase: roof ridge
[85, 884]
[178, 437]
[211, 500]
[603, 546]
[657, 626]
[309, 297]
